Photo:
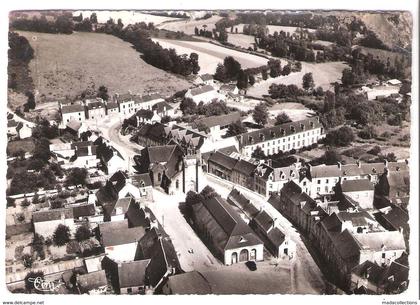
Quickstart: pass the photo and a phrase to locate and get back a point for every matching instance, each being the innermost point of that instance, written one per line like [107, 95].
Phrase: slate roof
[245, 167]
[122, 204]
[95, 105]
[155, 132]
[372, 168]
[399, 181]
[117, 233]
[111, 105]
[92, 280]
[160, 107]
[275, 132]
[12, 123]
[74, 125]
[83, 210]
[53, 214]
[223, 160]
[238, 232]
[295, 195]
[106, 153]
[72, 108]
[239, 200]
[264, 221]
[350, 170]
[397, 218]
[206, 77]
[392, 240]
[347, 246]
[201, 90]
[189, 283]
[371, 271]
[219, 120]
[324, 171]
[357, 185]
[132, 274]
[141, 180]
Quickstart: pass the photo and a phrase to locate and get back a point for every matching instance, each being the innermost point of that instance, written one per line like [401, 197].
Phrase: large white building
[74, 112]
[204, 94]
[285, 137]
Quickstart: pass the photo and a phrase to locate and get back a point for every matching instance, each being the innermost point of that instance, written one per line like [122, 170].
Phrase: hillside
[69, 64]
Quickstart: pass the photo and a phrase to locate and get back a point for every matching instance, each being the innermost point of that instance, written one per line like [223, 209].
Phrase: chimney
[339, 165]
[359, 163]
[406, 161]
[401, 230]
[386, 163]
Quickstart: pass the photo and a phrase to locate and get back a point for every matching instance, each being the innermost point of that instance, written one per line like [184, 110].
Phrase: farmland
[188, 26]
[127, 17]
[241, 40]
[69, 64]
[210, 54]
[272, 29]
[323, 73]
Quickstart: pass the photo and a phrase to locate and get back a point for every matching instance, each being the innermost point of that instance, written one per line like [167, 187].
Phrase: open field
[127, 17]
[188, 26]
[69, 64]
[271, 29]
[323, 73]
[241, 40]
[295, 111]
[210, 55]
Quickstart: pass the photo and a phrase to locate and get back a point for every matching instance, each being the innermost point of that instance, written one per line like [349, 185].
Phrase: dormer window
[262, 137]
[282, 131]
[250, 139]
[302, 126]
[312, 124]
[272, 133]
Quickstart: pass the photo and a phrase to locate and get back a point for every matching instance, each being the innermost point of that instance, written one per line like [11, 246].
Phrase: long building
[285, 137]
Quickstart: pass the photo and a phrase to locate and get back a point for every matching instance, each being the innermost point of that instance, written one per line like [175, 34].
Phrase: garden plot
[127, 17]
[323, 73]
[188, 25]
[210, 55]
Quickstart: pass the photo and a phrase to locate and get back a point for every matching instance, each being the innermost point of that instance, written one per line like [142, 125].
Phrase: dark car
[251, 265]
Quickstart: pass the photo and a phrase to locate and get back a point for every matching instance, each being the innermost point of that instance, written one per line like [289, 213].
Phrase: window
[129, 290]
[383, 255]
[326, 181]
[177, 184]
[326, 189]
[304, 183]
[318, 189]
[319, 181]
[159, 177]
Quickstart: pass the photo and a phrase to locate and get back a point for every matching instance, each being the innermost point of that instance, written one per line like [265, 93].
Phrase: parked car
[251, 265]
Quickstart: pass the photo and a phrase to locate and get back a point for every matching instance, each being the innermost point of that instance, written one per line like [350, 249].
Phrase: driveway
[183, 237]
[307, 277]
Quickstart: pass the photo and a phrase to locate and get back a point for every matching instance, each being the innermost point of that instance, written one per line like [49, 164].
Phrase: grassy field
[68, 64]
[127, 17]
[241, 40]
[188, 26]
[210, 55]
[323, 73]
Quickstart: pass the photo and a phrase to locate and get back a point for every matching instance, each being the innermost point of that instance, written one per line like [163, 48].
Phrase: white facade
[115, 164]
[25, 131]
[127, 107]
[252, 253]
[205, 97]
[287, 248]
[363, 198]
[286, 143]
[96, 113]
[148, 105]
[78, 116]
[90, 161]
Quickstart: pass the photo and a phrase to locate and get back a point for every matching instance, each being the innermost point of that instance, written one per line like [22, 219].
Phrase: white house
[62, 150]
[112, 108]
[72, 112]
[45, 222]
[205, 79]
[163, 109]
[126, 103]
[111, 159]
[24, 130]
[145, 116]
[85, 155]
[360, 190]
[285, 137]
[96, 110]
[270, 180]
[204, 94]
[147, 101]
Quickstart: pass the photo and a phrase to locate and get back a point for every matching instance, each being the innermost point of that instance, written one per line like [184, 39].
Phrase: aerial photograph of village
[208, 152]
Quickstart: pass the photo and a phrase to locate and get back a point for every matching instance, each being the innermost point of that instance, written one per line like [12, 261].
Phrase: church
[170, 169]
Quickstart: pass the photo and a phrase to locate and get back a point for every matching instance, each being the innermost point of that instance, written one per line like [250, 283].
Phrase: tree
[166, 119]
[27, 260]
[347, 78]
[194, 63]
[208, 192]
[77, 176]
[103, 93]
[376, 150]
[25, 203]
[275, 67]
[282, 118]
[221, 74]
[30, 102]
[264, 74]
[340, 137]
[61, 235]
[260, 114]
[232, 66]
[38, 245]
[251, 80]
[242, 80]
[258, 154]
[331, 157]
[235, 128]
[308, 81]
[93, 18]
[188, 106]
[287, 69]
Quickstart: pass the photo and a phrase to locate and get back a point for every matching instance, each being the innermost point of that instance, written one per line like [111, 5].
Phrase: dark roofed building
[83, 210]
[45, 222]
[395, 186]
[151, 135]
[221, 121]
[92, 282]
[244, 204]
[232, 238]
[132, 276]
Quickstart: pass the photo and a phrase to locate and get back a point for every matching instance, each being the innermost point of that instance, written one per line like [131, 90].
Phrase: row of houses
[98, 109]
[89, 154]
[260, 177]
[344, 238]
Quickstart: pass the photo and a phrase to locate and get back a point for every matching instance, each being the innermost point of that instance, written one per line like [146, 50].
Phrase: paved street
[306, 276]
[183, 237]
